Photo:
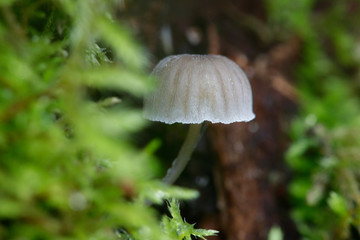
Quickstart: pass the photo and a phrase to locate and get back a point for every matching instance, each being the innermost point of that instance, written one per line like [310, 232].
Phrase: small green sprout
[179, 229]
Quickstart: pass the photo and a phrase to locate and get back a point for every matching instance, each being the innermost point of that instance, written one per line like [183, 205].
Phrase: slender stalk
[184, 154]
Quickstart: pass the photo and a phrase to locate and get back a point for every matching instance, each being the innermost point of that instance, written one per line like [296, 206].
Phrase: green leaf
[299, 147]
[337, 204]
[7, 2]
[123, 44]
[177, 228]
[275, 233]
[300, 187]
[114, 77]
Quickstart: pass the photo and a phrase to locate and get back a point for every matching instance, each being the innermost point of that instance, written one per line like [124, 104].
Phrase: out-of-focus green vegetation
[68, 169]
[325, 153]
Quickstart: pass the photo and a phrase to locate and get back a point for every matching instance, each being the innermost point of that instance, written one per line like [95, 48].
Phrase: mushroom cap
[197, 88]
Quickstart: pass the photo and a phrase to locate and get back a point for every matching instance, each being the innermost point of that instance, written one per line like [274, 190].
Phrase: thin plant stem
[184, 155]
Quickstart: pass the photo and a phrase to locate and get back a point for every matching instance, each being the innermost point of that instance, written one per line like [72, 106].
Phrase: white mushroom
[193, 89]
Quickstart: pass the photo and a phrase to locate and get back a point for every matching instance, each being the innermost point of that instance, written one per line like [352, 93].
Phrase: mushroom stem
[184, 154]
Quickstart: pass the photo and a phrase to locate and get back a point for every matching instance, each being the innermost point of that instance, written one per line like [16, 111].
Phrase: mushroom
[192, 89]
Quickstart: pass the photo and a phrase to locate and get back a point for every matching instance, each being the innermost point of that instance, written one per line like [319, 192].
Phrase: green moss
[68, 168]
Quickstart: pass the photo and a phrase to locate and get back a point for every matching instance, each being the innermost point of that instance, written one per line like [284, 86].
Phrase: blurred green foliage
[325, 153]
[68, 169]
[275, 233]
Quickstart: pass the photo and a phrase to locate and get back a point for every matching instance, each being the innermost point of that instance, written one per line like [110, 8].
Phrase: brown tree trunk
[250, 172]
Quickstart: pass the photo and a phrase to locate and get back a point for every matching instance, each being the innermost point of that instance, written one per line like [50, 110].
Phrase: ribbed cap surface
[195, 88]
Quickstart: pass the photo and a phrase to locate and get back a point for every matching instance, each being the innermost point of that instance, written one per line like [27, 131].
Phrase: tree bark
[250, 171]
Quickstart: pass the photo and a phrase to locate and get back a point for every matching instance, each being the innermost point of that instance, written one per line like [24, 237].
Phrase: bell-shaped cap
[197, 88]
